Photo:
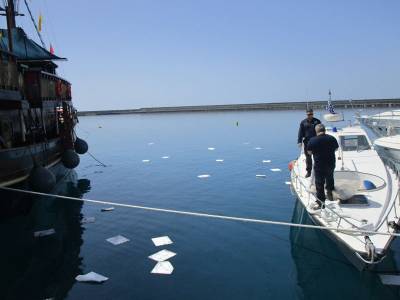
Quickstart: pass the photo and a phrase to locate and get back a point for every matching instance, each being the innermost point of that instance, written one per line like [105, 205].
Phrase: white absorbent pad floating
[261, 175]
[276, 170]
[165, 157]
[257, 148]
[117, 240]
[146, 160]
[91, 277]
[211, 148]
[107, 209]
[390, 279]
[204, 176]
[161, 241]
[288, 182]
[265, 161]
[162, 255]
[163, 267]
[44, 232]
[86, 220]
[219, 160]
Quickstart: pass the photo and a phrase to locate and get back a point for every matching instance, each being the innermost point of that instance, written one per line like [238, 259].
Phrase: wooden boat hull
[17, 163]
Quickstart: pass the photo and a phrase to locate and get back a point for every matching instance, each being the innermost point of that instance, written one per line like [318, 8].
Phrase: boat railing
[300, 186]
[42, 86]
[394, 166]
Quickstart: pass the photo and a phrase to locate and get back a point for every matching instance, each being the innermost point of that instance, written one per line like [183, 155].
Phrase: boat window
[354, 143]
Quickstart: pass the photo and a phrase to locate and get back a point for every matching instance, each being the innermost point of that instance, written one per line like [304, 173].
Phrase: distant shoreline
[362, 103]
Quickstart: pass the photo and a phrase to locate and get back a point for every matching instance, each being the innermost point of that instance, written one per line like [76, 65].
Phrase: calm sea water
[216, 259]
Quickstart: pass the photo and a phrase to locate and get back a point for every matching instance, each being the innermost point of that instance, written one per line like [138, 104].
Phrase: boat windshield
[354, 143]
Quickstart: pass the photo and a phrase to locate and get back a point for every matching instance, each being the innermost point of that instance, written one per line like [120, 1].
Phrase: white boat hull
[353, 170]
[390, 144]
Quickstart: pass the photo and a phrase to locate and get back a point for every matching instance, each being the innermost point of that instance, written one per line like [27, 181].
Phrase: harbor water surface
[216, 259]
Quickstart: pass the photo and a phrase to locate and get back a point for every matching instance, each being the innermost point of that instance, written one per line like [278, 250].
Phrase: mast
[10, 14]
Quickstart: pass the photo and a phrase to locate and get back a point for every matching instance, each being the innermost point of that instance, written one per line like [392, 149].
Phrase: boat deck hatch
[355, 200]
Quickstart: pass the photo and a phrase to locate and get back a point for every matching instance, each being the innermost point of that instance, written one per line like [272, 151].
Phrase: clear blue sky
[161, 53]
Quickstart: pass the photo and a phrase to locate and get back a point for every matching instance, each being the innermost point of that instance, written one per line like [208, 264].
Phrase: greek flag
[329, 107]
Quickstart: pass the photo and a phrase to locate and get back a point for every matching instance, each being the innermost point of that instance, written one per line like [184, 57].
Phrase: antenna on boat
[307, 99]
[10, 16]
[10, 13]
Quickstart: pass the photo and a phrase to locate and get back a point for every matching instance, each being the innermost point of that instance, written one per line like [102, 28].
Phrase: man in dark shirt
[323, 147]
[306, 132]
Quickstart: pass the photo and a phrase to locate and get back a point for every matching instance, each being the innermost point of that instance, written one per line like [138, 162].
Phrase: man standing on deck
[306, 132]
[323, 147]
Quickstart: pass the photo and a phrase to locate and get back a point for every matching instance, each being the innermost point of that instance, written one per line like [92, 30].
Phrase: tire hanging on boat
[70, 159]
[81, 146]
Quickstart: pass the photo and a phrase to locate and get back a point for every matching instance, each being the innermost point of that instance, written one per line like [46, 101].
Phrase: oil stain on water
[166, 161]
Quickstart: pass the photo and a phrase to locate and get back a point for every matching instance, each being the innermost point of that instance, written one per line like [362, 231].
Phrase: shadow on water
[45, 267]
[323, 272]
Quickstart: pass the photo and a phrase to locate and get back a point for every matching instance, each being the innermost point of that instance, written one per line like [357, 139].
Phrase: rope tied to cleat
[205, 215]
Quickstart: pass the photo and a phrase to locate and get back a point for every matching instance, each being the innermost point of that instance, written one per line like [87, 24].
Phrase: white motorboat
[366, 198]
[386, 126]
[384, 123]
[389, 145]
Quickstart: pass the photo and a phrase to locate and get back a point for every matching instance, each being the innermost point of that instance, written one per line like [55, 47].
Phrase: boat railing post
[394, 206]
[340, 220]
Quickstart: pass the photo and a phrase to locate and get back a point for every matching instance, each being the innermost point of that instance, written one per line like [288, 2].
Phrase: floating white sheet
[162, 255]
[288, 183]
[165, 157]
[91, 277]
[219, 160]
[265, 161]
[257, 148]
[44, 232]
[163, 267]
[146, 160]
[276, 170]
[204, 176]
[161, 241]
[107, 209]
[151, 143]
[211, 148]
[86, 220]
[117, 240]
[390, 279]
[261, 175]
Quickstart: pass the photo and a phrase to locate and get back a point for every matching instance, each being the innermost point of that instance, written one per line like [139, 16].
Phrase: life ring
[58, 88]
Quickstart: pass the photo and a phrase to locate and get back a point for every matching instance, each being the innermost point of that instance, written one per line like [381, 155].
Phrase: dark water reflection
[324, 273]
[45, 267]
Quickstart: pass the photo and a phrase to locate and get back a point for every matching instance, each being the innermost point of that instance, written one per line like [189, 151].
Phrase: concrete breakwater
[363, 103]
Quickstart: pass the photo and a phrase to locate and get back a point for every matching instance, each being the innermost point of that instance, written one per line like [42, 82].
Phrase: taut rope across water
[204, 215]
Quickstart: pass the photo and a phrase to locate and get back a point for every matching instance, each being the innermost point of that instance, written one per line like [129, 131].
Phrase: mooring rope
[205, 215]
[92, 156]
